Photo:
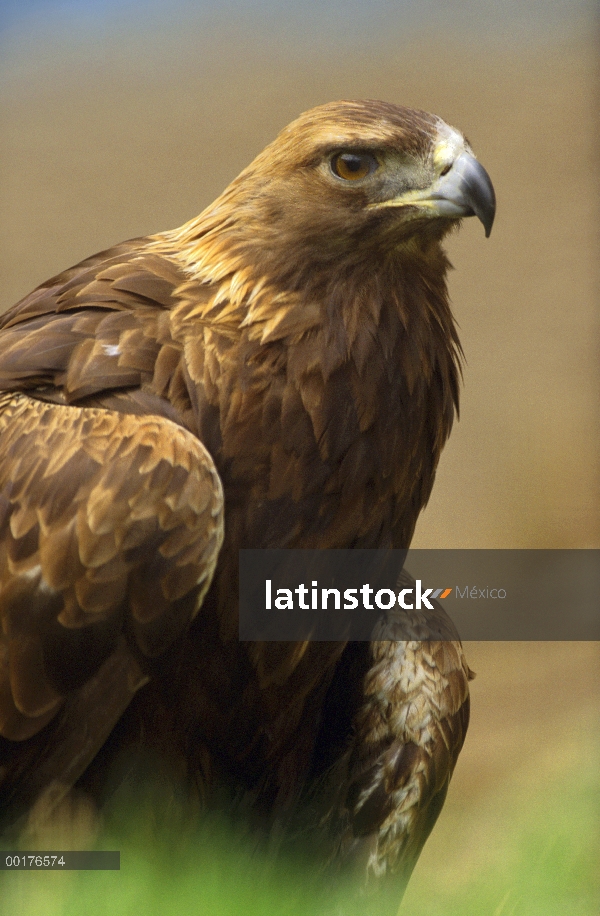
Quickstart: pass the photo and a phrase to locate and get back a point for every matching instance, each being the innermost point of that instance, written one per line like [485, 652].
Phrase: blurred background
[120, 119]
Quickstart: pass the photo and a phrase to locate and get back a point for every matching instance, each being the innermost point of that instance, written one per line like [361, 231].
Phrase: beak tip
[472, 187]
[483, 197]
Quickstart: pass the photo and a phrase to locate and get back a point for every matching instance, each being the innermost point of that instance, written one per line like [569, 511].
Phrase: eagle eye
[353, 166]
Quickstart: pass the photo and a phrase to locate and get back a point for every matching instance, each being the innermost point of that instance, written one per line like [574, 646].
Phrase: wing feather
[95, 550]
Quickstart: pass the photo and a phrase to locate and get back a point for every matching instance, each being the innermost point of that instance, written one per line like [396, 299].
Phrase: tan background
[122, 127]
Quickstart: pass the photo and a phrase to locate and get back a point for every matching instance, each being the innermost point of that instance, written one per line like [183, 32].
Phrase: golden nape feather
[281, 371]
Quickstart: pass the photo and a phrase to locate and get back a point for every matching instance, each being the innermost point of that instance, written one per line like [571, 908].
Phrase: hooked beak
[465, 190]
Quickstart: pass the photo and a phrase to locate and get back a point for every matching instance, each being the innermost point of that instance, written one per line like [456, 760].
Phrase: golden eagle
[281, 371]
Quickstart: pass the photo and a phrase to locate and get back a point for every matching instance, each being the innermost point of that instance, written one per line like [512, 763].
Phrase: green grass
[529, 853]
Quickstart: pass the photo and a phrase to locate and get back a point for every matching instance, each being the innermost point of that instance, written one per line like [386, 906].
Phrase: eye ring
[353, 165]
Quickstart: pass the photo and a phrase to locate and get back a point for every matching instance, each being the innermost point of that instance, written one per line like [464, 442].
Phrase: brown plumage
[281, 371]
